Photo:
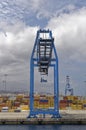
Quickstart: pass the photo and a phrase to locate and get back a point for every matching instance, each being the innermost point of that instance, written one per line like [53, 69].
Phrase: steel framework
[44, 56]
[68, 87]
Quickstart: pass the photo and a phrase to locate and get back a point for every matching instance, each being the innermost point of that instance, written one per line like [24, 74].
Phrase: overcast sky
[19, 22]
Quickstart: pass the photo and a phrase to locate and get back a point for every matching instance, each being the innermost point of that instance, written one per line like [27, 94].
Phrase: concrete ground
[14, 115]
[66, 114]
[73, 114]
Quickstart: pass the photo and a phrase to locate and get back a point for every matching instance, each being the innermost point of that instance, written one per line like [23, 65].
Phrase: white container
[4, 109]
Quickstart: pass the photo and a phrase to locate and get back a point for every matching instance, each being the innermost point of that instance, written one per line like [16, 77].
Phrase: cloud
[69, 31]
[70, 34]
[18, 41]
[15, 52]
[35, 12]
[67, 21]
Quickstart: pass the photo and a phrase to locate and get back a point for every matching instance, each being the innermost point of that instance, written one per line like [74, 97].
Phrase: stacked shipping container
[42, 102]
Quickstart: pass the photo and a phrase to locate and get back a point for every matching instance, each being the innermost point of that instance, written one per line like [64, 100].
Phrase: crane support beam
[43, 57]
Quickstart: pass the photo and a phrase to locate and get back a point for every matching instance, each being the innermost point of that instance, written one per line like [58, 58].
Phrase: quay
[43, 121]
[68, 117]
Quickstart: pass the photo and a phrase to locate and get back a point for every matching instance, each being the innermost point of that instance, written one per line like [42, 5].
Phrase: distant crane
[68, 89]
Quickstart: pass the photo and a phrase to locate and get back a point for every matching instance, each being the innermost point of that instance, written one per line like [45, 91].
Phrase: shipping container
[24, 107]
[74, 107]
[65, 98]
[63, 101]
[43, 101]
[79, 107]
[4, 109]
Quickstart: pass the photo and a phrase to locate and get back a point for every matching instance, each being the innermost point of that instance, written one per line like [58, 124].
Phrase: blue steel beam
[53, 63]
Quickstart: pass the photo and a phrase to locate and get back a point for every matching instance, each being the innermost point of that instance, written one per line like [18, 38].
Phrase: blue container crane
[43, 57]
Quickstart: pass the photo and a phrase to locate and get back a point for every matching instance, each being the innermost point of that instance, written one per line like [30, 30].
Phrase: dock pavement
[67, 117]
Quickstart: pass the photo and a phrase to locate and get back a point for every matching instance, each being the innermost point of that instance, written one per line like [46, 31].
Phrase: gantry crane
[68, 89]
[43, 57]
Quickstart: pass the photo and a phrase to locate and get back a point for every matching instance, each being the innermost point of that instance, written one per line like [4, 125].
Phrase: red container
[26, 103]
[17, 104]
[27, 97]
[36, 99]
[65, 98]
[63, 104]
[63, 101]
